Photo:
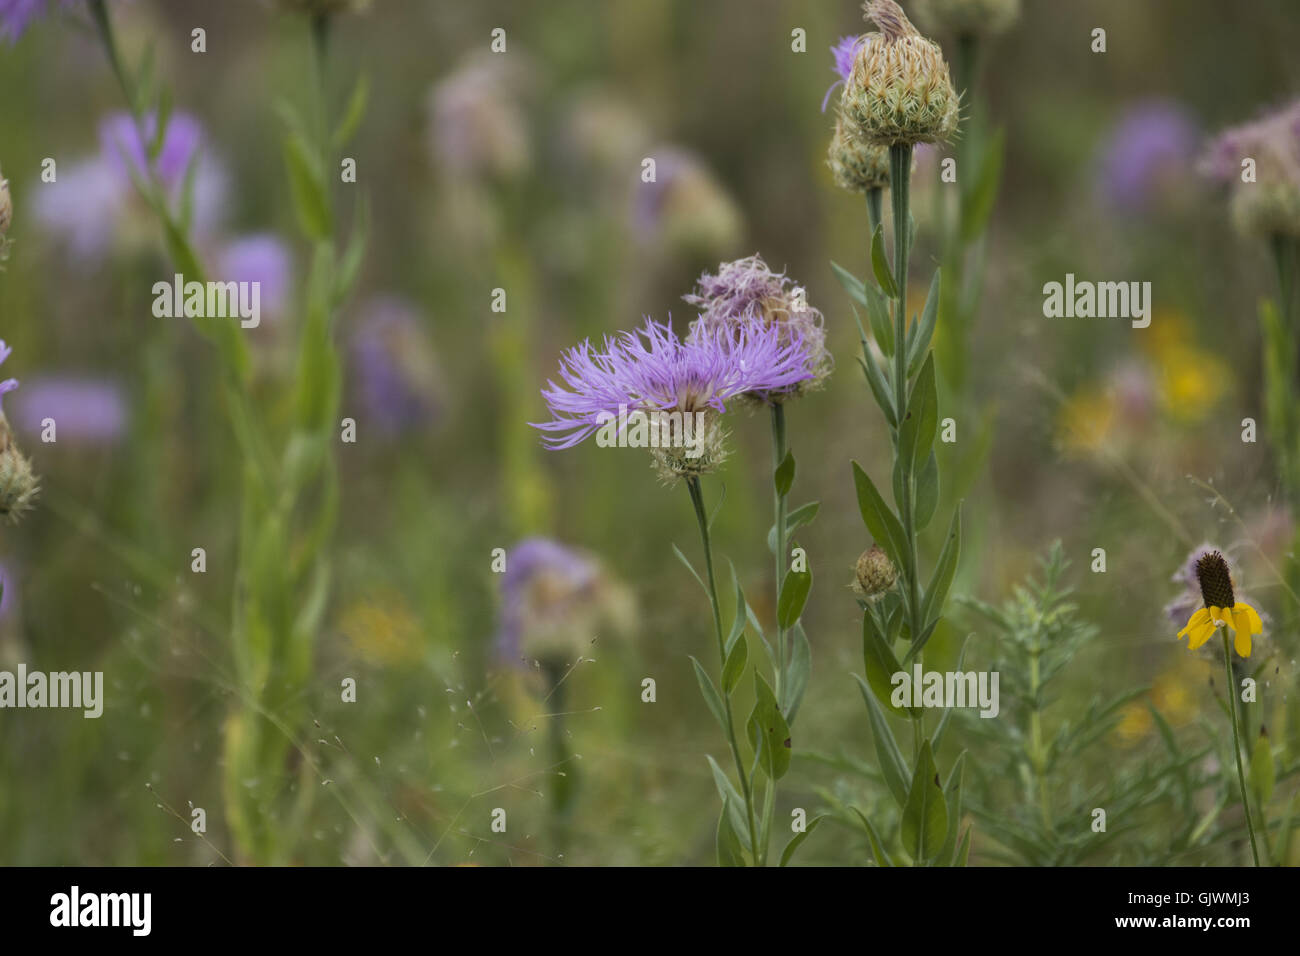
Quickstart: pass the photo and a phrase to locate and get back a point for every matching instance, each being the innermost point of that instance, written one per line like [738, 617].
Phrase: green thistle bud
[1215, 580]
[875, 573]
[19, 486]
[856, 165]
[985, 17]
[899, 90]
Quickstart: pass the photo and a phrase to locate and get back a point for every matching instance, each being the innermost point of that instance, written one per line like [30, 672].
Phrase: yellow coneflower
[1221, 607]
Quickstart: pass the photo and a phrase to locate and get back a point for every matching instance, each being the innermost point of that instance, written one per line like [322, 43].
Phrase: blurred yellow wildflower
[1086, 420]
[383, 629]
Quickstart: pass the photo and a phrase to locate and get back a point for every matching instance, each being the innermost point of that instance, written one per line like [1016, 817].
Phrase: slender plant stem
[1236, 744]
[900, 173]
[779, 450]
[697, 500]
[1038, 757]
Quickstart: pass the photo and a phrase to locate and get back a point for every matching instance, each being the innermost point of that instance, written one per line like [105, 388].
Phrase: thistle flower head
[984, 17]
[17, 15]
[1269, 206]
[745, 292]
[652, 370]
[874, 574]
[86, 411]
[19, 485]
[899, 90]
[857, 165]
[398, 379]
[1221, 606]
[843, 53]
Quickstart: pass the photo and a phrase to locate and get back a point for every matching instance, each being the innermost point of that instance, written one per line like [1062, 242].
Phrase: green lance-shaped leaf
[729, 847]
[927, 492]
[1263, 772]
[892, 765]
[711, 696]
[947, 854]
[922, 331]
[800, 670]
[877, 846]
[795, 520]
[783, 477]
[940, 581]
[794, 595]
[731, 801]
[307, 186]
[798, 839]
[879, 519]
[878, 382]
[852, 284]
[880, 664]
[880, 264]
[916, 433]
[353, 113]
[768, 731]
[925, 815]
[737, 657]
[878, 316]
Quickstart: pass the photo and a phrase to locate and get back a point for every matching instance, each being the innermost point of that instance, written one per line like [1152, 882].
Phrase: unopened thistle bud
[19, 486]
[857, 166]
[875, 573]
[899, 90]
[984, 17]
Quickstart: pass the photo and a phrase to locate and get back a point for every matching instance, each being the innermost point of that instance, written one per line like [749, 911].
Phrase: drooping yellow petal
[1250, 616]
[1200, 617]
[1218, 616]
[1242, 642]
[1200, 634]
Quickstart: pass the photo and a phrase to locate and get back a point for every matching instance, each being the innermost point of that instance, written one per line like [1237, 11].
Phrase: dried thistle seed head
[857, 165]
[1216, 580]
[899, 90]
[986, 17]
[19, 485]
[703, 454]
[875, 573]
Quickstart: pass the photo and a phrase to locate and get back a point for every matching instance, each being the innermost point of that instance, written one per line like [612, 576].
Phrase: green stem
[779, 451]
[1236, 744]
[1037, 755]
[900, 173]
[697, 500]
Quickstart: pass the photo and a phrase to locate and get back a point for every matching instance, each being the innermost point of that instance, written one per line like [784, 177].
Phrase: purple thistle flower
[544, 585]
[1153, 139]
[651, 369]
[843, 54]
[84, 410]
[9, 384]
[1272, 139]
[398, 380]
[747, 291]
[262, 258]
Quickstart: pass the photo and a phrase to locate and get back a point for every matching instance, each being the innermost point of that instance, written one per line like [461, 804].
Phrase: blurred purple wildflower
[397, 375]
[1152, 140]
[543, 585]
[652, 369]
[17, 15]
[843, 53]
[262, 258]
[684, 205]
[88, 205]
[1273, 138]
[476, 125]
[89, 411]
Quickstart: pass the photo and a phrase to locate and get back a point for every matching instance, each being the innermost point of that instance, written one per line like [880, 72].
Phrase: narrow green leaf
[731, 800]
[737, 657]
[307, 186]
[804, 514]
[880, 664]
[892, 766]
[852, 284]
[925, 815]
[952, 798]
[923, 331]
[879, 519]
[800, 670]
[1263, 772]
[879, 388]
[794, 595]
[877, 847]
[798, 839]
[880, 264]
[977, 204]
[686, 561]
[949, 711]
[710, 694]
[783, 477]
[963, 851]
[878, 316]
[768, 731]
[927, 492]
[944, 570]
[729, 849]
[916, 434]
[353, 113]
